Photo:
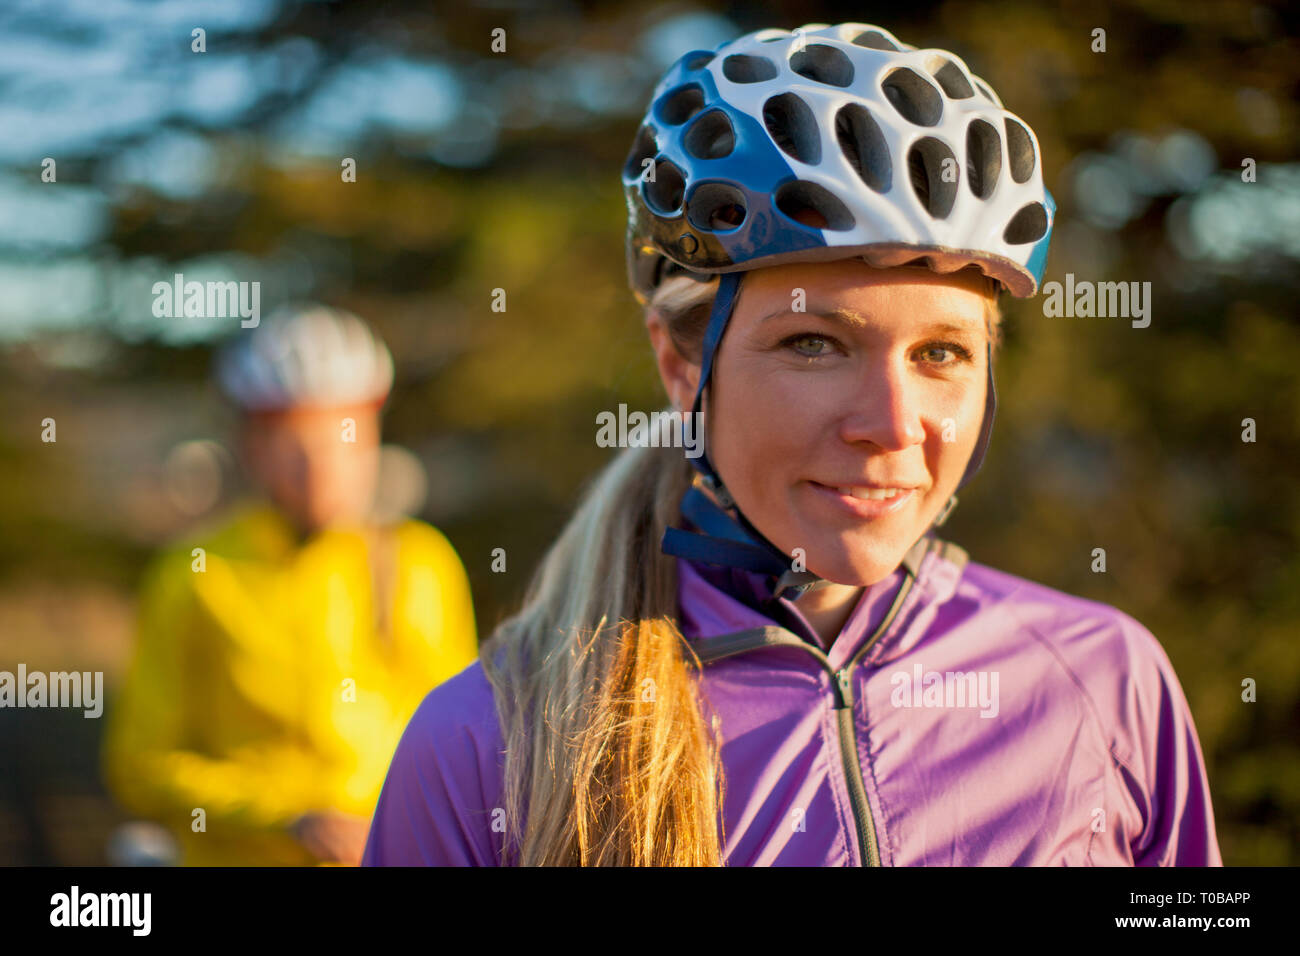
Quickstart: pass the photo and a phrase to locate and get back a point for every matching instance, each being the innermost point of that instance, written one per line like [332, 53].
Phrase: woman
[778, 662]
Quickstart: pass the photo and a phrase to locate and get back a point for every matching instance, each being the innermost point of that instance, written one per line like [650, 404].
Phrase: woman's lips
[847, 499]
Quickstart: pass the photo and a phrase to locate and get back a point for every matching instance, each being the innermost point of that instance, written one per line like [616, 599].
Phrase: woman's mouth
[864, 501]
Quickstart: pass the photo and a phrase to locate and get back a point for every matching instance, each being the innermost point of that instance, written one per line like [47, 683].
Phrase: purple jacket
[963, 717]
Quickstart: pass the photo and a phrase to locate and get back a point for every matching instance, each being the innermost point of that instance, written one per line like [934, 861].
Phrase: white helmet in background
[305, 354]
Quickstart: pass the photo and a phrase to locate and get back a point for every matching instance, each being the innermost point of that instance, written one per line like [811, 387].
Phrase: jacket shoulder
[244, 531]
[463, 703]
[1126, 677]
[424, 544]
[1066, 615]
[1113, 658]
[440, 802]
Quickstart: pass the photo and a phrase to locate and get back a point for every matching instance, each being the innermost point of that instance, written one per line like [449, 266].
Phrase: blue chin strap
[726, 538]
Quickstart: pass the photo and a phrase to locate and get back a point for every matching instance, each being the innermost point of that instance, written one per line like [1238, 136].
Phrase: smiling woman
[896, 358]
[893, 359]
[763, 654]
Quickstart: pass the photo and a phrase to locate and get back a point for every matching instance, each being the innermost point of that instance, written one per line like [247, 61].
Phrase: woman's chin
[857, 559]
[858, 571]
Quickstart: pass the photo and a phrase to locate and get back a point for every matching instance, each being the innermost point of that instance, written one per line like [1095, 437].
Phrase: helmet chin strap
[728, 538]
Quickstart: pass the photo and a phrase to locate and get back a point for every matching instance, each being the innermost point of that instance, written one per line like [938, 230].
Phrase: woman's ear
[679, 374]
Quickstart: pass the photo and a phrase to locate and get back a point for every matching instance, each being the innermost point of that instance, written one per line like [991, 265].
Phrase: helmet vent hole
[643, 148]
[864, 146]
[792, 126]
[1020, 149]
[983, 158]
[1027, 225]
[916, 100]
[697, 61]
[812, 205]
[823, 64]
[987, 93]
[664, 192]
[742, 68]
[716, 207]
[679, 105]
[953, 80]
[874, 40]
[710, 136]
[927, 162]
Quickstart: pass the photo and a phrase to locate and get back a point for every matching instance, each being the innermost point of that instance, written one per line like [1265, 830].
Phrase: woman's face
[844, 428]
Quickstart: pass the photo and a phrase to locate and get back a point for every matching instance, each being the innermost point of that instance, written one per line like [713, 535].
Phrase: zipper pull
[844, 677]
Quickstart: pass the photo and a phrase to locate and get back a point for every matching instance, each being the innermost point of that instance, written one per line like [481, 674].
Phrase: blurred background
[479, 170]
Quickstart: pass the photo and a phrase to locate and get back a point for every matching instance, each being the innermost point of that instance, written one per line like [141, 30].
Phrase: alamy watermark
[950, 689]
[1085, 299]
[84, 689]
[208, 300]
[75, 908]
[665, 429]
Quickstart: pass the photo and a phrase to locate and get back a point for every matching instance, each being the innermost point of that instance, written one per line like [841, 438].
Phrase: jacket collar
[720, 601]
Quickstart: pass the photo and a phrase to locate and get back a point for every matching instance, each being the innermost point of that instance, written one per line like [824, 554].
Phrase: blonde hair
[609, 758]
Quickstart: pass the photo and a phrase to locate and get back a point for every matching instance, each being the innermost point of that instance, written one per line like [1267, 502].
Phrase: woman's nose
[884, 409]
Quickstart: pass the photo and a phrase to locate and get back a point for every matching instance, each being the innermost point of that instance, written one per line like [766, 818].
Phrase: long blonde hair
[609, 758]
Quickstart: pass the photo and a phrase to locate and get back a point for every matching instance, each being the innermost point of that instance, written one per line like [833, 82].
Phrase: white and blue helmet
[832, 142]
[825, 143]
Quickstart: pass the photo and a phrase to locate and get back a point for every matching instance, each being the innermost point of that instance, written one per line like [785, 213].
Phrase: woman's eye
[809, 345]
[944, 353]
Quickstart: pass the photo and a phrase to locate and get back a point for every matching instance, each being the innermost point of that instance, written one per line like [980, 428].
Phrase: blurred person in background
[280, 655]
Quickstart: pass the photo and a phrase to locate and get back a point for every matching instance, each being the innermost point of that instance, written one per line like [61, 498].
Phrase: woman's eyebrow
[844, 316]
[855, 319]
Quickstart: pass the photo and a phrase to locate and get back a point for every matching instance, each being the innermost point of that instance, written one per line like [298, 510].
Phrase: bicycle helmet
[827, 142]
[305, 354]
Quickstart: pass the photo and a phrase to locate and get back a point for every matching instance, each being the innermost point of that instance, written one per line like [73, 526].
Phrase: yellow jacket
[269, 681]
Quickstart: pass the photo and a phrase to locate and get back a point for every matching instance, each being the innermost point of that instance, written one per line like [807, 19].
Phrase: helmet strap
[729, 538]
[724, 302]
[986, 426]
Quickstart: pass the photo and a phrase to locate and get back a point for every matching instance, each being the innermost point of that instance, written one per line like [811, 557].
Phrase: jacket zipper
[868, 850]
[842, 683]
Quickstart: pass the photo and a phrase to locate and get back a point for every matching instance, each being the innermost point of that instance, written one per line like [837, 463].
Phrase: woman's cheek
[755, 434]
[952, 432]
